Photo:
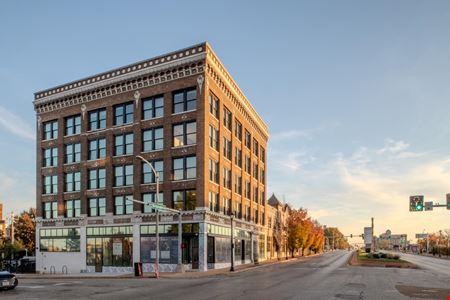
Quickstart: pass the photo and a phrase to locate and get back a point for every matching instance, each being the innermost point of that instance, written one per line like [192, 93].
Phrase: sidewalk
[189, 274]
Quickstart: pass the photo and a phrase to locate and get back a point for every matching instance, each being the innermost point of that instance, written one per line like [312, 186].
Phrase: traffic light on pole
[448, 201]
[416, 203]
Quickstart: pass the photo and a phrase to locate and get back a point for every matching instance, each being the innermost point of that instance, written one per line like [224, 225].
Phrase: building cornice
[154, 65]
[234, 90]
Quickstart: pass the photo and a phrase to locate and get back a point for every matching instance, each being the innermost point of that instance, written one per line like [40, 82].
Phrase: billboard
[368, 235]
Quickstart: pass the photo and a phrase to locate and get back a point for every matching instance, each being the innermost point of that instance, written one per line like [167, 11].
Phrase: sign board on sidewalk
[421, 235]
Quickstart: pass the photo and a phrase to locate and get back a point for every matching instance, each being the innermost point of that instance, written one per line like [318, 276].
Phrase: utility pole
[439, 244]
[12, 227]
[373, 244]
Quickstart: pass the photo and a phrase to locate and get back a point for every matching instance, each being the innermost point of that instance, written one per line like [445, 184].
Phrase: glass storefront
[109, 246]
[60, 240]
[168, 243]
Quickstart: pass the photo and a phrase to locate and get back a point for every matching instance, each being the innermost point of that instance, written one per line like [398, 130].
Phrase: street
[431, 263]
[320, 277]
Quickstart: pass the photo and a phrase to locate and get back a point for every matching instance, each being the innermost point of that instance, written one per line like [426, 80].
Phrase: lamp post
[159, 207]
[232, 243]
[157, 213]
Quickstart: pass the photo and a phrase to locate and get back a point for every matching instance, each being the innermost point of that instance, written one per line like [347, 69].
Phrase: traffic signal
[448, 201]
[351, 235]
[416, 203]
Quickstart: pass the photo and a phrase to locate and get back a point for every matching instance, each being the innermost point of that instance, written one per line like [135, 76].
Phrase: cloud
[346, 190]
[16, 125]
[17, 191]
[291, 134]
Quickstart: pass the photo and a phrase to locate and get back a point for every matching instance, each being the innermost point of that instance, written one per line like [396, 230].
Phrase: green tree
[25, 229]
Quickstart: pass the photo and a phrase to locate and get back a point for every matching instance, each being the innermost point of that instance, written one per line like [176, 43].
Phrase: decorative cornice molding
[156, 64]
[234, 88]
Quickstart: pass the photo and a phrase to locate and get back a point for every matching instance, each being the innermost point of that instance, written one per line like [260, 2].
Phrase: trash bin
[138, 269]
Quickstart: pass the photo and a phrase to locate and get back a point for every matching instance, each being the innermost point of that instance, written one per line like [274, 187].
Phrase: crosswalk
[47, 285]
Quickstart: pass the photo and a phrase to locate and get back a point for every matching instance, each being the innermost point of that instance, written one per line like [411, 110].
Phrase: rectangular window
[185, 100]
[151, 198]
[227, 178]
[213, 138]
[97, 207]
[214, 105]
[238, 157]
[184, 168]
[123, 206]
[60, 240]
[214, 171]
[227, 148]
[152, 107]
[185, 134]
[51, 130]
[50, 210]
[123, 144]
[97, 149]
[73, 153]
[73, 181]
[123, 175]
[255, 170]
[123, 113]
[247, 164]
[147, 174]
[97, 119]
[226, 118]
[247, 189]
[238, 184]
[73, 208]
[184, 200]
[238, 129]
[50, 184]
[247, 140]
[263, 176]
[263, 197]
[73, 125]
[97, 179]
[255, 147]
[238, 210]
[262, 153]
[213, 201]
[153, 139]
[226, 206]
[255, 194]
[51, 157]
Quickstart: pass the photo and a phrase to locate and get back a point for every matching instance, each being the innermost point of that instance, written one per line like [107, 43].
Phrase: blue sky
[355, 93]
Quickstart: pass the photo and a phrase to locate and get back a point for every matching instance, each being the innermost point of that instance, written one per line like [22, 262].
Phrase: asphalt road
[433, 264]
[320, 277]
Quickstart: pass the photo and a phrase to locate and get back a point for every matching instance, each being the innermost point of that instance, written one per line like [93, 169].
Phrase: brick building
[184, 113]
[277, 219]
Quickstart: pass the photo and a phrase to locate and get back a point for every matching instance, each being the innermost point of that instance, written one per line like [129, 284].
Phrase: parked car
[8, 281]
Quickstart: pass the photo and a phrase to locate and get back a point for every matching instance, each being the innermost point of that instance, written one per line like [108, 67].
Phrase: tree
[295, 230]
[25, 229]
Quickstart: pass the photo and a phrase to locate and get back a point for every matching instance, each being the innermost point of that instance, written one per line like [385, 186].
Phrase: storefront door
[99, 260]
[194, 253]
[243, 251]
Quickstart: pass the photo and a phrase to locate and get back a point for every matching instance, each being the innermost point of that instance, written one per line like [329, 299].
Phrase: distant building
[277, 217]
[2, 222]
[391, 241]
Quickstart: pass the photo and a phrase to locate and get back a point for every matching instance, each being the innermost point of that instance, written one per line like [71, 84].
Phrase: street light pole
[158, 207]
[157, 213]
[232, 244]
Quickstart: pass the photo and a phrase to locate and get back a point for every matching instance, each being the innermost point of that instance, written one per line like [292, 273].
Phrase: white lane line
[30, 286]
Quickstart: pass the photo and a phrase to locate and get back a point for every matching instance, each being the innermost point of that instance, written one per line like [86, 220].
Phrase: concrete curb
[186, 275]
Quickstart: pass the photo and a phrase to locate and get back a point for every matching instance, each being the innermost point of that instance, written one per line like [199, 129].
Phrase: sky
[356, 94]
